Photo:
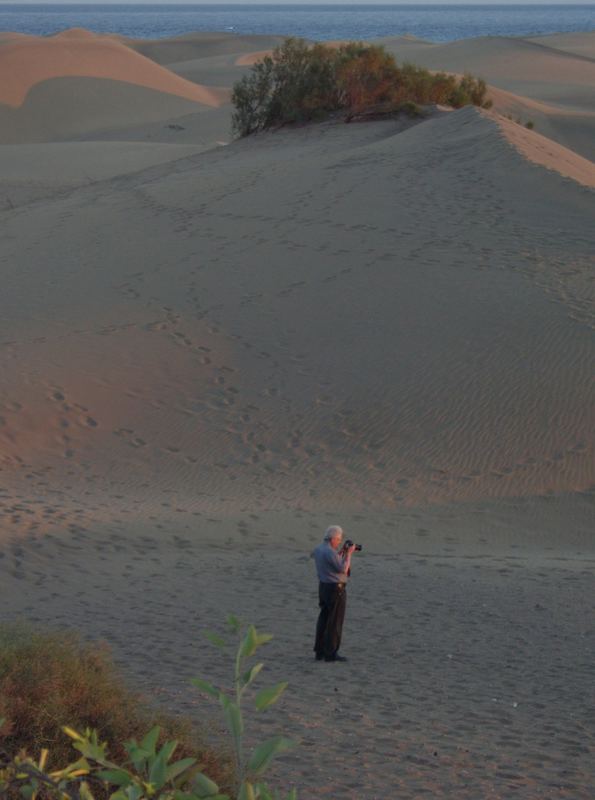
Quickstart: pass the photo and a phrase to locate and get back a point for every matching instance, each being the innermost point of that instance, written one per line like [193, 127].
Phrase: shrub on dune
[301, 82]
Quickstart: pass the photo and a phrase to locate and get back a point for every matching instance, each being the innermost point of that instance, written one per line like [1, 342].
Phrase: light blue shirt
[329, 564]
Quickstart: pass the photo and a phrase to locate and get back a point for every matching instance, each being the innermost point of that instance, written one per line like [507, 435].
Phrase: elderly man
[333, 571]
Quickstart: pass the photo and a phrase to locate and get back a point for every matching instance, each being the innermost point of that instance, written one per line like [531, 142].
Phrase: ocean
[436, 23]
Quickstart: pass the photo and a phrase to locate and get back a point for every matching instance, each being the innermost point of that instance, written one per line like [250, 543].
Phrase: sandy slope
[297, 311]
[32, 172]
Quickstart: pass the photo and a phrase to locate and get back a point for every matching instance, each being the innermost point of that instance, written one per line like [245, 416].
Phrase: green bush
[52, 680]
[301, 82]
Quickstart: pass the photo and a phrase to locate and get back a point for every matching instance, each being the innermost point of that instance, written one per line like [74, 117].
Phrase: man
[333, 570]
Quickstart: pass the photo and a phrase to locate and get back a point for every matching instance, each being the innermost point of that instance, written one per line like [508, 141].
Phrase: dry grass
[48, 680]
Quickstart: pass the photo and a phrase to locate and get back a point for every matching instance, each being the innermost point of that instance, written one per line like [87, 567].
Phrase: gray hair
[331, 532]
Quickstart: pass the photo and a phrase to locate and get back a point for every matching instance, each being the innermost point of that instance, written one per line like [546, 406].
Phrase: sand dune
[519, 65]
[33, 60]
[535, 70]
[202, 45]
[260, 366]
[76, 83]
[581, 44]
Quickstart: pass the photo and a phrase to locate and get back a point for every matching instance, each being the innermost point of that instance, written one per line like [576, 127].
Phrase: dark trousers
[332, 599]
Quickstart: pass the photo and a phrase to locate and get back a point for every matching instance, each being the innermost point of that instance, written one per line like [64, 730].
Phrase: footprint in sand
[128, 435]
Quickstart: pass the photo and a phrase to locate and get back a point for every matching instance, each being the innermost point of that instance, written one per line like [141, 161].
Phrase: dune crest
[249, 59]
[547, 153]
[76, 33]
[33, 60]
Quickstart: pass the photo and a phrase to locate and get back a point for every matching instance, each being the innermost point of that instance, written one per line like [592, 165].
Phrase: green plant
[49, 680]
[301, 82]
[147, 773]
[249, 770]
[146, 770]
[529, 124]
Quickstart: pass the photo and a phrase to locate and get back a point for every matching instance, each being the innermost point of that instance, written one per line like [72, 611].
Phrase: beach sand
[211, 350]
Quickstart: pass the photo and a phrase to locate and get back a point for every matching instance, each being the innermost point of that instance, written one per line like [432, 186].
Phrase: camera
[347, 544]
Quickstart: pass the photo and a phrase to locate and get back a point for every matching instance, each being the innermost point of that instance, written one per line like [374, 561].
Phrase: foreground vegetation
[57, 694]
[301, 82]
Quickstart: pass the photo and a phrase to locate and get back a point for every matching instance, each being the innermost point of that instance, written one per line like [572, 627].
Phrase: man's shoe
[319, 656]
[336, 658]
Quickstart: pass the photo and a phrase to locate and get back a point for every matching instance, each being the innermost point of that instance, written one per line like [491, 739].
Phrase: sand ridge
[77, 53]
[543, 151]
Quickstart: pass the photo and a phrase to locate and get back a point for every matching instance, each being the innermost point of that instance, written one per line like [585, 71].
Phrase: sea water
[436, 23]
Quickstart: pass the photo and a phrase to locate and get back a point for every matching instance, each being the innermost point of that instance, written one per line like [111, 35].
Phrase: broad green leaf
[264, 753]
[266, 697]
[246, 791]
[204, 786]
[130, 793]
[168, 750]
[215, 639]
[158, 771]
[119, 777]
[249, 643]
[205, 687]
[233, 717]
[179, 767]
[138, 756]
[27, 792]
[149, 743]
[249, 676]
